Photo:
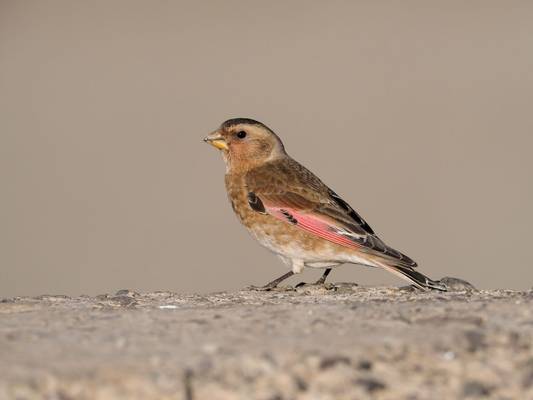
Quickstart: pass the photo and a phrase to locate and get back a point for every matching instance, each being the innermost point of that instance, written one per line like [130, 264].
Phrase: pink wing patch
[313, 223]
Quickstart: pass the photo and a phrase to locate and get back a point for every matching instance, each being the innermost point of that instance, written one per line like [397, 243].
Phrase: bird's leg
[277, 281]
[274, 283]
[322, 279]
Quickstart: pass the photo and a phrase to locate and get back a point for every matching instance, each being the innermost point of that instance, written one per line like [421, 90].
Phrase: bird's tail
[419, 280]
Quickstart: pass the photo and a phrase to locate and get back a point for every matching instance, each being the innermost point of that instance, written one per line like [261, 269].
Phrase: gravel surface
[336, 341]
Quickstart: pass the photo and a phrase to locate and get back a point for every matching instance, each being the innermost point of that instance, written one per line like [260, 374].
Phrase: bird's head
[246, 143]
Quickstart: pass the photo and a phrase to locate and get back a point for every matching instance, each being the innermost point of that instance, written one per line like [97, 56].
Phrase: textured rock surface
[339, 342]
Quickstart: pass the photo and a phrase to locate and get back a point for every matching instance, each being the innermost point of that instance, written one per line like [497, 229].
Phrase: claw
[260, 288]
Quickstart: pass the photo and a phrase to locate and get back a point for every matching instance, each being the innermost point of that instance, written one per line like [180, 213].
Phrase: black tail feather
[418, 279]
[421, 280]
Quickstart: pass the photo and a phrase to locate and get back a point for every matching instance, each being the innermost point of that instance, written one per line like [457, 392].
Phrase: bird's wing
[291, 193]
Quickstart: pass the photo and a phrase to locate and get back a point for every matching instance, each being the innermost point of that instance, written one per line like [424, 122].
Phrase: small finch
[293, 213]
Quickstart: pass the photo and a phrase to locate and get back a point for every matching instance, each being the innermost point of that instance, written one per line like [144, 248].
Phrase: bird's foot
[315, 286]
[269, 288]
[273, 284]
[320, 282]
[265, 288]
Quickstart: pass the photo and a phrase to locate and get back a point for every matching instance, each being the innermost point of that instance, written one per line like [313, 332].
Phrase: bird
[291, 212]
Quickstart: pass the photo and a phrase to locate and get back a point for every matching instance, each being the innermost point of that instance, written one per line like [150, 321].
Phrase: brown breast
[264, 227]
[238, 197]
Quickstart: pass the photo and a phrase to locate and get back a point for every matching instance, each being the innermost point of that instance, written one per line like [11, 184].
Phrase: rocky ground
[335, 342]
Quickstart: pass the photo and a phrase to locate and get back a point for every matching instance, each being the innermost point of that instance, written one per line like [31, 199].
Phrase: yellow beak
[215, 139]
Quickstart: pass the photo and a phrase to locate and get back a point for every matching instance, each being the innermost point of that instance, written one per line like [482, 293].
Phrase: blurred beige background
[418, 113]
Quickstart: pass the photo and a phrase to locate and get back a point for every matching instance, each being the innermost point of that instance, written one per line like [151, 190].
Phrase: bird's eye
[241, 134]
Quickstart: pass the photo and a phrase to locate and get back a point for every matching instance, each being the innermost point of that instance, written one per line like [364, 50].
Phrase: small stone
[527, 377]
[332, 361]
[448, 355]
[301, 384]
[457, 285]
[127, 293]
[364, 365]
[371, 385]
[476, 389]
[7, 300]
[345, 287]
[475, 341]
[123, 301]
[527, 380]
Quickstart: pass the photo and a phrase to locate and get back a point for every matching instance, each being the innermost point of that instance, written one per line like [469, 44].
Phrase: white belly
[327, 257]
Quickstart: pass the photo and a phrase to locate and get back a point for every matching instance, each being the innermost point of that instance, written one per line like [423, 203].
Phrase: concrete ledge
[335, 342]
